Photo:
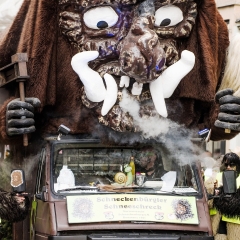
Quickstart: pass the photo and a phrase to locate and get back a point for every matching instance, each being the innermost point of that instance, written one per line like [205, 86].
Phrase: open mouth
[162, 87]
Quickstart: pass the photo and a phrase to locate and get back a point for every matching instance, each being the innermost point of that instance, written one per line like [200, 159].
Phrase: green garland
[5, 230]
[5, 226]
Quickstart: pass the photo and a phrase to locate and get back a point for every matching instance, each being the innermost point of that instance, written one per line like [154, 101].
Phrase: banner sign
[132, 207]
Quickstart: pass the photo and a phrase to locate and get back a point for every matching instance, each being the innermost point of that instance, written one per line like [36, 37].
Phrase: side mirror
[18, 182]
[229, 181]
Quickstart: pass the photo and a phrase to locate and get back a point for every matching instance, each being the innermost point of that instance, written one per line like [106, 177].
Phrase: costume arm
[17, 118]
[218, 133]
[225, 112]
[228, 95]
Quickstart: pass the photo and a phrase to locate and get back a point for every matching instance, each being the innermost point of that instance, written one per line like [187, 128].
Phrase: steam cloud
[175, 138]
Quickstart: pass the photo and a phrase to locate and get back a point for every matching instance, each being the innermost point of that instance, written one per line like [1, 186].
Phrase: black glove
[229, 115]
[20, 116]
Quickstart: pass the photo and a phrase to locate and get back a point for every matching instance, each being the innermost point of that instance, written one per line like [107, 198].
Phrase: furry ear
[231, 77]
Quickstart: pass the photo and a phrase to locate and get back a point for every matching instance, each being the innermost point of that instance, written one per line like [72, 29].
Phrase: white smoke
[151, 127]
[172, 136]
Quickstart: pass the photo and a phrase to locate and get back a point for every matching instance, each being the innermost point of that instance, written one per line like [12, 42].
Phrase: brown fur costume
[36, 31]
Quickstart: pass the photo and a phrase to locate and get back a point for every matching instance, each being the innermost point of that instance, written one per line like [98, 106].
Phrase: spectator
[223, 211]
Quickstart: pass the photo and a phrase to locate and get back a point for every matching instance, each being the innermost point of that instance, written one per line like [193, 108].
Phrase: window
[80, 169]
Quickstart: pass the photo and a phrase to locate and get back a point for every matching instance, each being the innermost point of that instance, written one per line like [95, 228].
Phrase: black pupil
[165, 22]
[102, 24]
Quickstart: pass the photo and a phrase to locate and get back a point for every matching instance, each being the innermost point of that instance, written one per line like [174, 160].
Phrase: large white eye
[168, 16]
[100, 17]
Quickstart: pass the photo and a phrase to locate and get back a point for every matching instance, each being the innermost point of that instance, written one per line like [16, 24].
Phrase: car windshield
[83, 168]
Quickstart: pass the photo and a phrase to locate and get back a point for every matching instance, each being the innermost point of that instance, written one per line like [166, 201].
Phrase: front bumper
[132, 236]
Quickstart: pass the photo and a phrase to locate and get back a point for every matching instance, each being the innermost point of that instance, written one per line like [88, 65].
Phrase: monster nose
[142, 51]
[146, 38]
[141, 55]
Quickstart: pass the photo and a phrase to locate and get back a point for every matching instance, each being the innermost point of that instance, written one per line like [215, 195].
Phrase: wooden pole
[22, 98]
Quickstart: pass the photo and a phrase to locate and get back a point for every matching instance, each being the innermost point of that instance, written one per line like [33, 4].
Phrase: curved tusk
[167, 82]
[111, 94]
[158, 99]
[172, 76]
[92, 81]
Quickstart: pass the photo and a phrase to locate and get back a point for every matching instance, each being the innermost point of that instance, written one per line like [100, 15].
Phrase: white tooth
[111, 94]
[124, 81]
[167, 82]
[172, 76]
[157, 97]
[137, 88]
[92, 81]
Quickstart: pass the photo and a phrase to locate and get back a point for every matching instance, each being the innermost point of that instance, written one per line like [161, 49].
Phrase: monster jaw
[162, 87]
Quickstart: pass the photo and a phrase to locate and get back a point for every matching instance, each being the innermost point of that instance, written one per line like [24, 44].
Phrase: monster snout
[141, 56]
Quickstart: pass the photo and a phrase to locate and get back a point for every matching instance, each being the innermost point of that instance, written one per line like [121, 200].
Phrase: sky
[8, 10]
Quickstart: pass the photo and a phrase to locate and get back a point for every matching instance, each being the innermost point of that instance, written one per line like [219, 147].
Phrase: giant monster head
[132, 45]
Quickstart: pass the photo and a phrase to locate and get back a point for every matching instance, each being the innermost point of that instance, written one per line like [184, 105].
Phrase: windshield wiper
[171, 192]
[86, 188]
[134, 188]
